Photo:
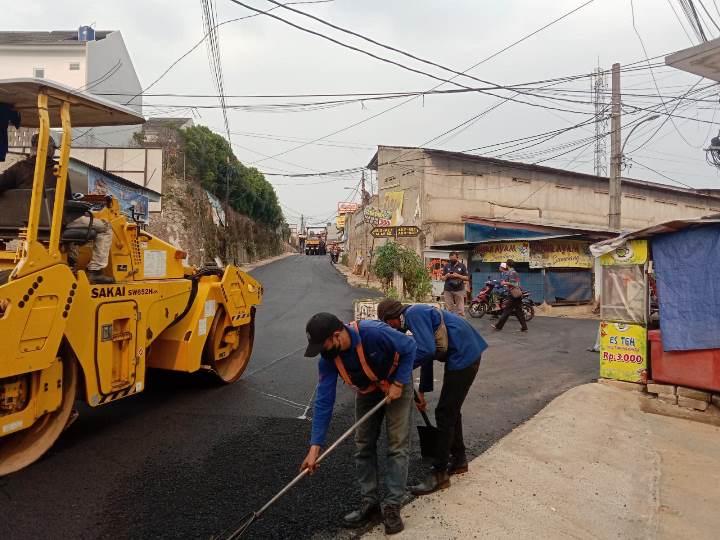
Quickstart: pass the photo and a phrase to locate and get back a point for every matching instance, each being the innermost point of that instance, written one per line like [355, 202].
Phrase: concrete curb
[262, 262]
[591, 464]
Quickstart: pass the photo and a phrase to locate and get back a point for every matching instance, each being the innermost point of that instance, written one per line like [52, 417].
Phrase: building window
[601, 192]
[39, 73]
[695, 207]
[661, 201]
[638, 197]
[74, 66]
[562, 186]
[521, 180]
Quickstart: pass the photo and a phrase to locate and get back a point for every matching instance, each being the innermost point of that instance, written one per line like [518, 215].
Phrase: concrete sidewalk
[589, 465]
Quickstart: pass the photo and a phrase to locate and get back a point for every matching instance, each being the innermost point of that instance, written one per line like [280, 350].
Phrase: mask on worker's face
[335, 350]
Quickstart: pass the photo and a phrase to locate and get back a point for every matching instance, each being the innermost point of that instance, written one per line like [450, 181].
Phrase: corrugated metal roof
[504, 164]
[607, 246]
[54, 37]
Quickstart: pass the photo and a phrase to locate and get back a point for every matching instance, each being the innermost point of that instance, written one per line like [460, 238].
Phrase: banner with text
[502, 251]
[631, 252]
[623, 351]
[560, 254]
[129, 199]
[347, 207]
[376, 216]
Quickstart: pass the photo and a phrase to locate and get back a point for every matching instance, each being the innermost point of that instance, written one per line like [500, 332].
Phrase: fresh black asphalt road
[187, 458]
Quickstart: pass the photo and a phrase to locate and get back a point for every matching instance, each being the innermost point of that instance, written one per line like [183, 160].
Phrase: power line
[389, 109]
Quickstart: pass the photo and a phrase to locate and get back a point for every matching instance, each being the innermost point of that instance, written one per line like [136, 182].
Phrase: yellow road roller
[66, 338]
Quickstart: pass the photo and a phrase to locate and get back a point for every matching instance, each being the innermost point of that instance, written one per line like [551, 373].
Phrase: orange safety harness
[375, 383]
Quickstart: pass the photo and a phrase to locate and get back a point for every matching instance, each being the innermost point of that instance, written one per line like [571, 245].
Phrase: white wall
[110, 69]
[18, 61]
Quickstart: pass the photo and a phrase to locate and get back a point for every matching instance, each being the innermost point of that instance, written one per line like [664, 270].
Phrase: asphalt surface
[187, 458]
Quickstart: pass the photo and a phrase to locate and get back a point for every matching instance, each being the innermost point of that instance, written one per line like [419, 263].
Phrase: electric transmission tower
[598, 89]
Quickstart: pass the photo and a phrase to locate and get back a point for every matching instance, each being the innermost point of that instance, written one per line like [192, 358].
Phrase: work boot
[434, 481]
[362, 516]
[457, 465]
[96, 277]
[392, 519]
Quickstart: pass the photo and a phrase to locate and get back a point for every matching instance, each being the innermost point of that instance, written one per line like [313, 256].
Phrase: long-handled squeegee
[248, 519]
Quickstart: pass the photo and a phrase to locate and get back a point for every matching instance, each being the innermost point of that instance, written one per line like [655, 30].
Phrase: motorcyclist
[499, 287]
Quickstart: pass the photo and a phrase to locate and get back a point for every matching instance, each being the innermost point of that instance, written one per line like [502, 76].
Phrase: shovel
[428, 434]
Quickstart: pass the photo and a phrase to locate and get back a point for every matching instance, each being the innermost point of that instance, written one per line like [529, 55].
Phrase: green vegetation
[210, 160]
[394, 258]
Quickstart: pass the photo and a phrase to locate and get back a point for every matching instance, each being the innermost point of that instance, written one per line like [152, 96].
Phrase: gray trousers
[397, 417]
[101, 244]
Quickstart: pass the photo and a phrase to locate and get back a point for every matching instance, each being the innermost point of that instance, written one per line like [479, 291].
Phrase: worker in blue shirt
[440, 335]
[377, 362]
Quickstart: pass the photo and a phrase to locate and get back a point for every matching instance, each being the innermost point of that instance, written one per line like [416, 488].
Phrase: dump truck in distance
[316, 241]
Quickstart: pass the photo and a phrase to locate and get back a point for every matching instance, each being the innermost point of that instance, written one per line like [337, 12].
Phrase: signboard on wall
[560, 254]
[393, 202]
[623, 351]
[129, 199]
[502, 251]
[632, 252]
[377, 216]
[404, 231]
[340, 221]
[347, 207]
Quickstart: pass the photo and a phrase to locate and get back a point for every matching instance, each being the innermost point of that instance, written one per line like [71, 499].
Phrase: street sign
[407, 231]
[347, 207]
[383, 232]
[401, 231]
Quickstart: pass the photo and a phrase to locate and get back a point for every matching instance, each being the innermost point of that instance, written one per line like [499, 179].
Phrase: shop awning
[467, 246]
[610, 245]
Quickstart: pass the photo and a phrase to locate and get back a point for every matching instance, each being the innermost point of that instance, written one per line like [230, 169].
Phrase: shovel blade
[428, 440]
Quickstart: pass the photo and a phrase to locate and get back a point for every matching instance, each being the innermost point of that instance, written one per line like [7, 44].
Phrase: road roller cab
[65, 338]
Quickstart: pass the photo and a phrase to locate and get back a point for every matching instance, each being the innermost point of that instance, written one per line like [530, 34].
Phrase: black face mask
[333, 351]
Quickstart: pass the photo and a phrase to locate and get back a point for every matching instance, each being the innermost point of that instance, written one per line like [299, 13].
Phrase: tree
[394, 258]
[210, 159]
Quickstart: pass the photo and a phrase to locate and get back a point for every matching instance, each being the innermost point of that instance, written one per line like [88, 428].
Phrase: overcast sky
[264, 56]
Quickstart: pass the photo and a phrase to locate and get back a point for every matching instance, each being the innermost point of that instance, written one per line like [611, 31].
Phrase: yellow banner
[632, 252]
[502, 251]
[340, 221]
[623, 351]
[393, 201]
[560, 254]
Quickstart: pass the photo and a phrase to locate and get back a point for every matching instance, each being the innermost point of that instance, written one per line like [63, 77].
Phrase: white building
[97, 62]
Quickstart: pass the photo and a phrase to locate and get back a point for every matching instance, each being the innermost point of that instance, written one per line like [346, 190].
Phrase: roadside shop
[554, 263]
[660, 304]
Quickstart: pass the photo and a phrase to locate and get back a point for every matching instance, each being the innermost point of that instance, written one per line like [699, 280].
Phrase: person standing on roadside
[452, 340]
[455, 275]
[511, 281]
[376, 362]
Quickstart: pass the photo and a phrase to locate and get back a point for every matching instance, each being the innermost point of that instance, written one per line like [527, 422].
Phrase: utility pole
[615, 154]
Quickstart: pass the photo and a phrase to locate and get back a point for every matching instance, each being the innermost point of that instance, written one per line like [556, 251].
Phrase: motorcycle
[485, 302]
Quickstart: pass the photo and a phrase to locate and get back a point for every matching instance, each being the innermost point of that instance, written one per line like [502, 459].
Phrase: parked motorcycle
[485, 302]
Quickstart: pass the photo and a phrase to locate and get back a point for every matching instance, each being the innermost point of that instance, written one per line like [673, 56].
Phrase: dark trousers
[448, 418]
[513, 307]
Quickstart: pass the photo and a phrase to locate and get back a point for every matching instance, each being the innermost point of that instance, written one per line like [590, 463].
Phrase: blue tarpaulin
[687, 267]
